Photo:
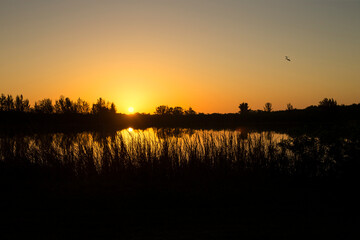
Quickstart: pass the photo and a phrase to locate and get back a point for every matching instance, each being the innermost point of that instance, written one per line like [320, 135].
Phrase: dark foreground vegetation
[205, 185]
[66, 173]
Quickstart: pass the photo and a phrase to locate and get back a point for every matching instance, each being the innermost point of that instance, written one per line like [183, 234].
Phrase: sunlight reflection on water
[193, 135]
[133, 147]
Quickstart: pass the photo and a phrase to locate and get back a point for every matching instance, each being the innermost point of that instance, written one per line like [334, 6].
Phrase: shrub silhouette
[162, 110]
[190, 111]
[268, 107]
[44, 106]
[289, 107]
[244, 108]
[178, 111]
[328, 103]
[22, 105]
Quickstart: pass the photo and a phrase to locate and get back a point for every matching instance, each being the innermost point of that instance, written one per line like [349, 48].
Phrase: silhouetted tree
[178, 111]
[6, 103]
[82, 106]
[44, 106]
[190, 111]
[65, 105]
[10, 103]
[99, 106]
[289, 107]
[102, 107]
[22, 105]
[244, 108]
[112, 108]
[162, 110]
[2, 102]
[328, 102]
[268, 107]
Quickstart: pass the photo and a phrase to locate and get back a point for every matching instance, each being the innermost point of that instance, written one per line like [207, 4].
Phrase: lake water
[170, 147]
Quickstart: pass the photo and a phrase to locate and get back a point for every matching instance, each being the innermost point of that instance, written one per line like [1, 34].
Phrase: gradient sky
[211, 55]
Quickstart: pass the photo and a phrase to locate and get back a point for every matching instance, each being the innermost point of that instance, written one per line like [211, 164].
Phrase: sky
[211, 55]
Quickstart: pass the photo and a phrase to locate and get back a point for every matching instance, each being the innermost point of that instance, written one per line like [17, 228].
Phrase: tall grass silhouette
[146, 155]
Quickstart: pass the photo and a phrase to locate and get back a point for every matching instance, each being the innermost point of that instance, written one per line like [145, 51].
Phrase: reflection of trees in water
[102, 136]
[13, 147]
[90, 153]
[243, 133]
[164, 133]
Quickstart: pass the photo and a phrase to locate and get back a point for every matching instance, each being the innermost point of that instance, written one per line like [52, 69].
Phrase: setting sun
[131, 109]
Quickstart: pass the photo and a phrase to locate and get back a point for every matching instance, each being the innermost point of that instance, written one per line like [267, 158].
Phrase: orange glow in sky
[208, 55]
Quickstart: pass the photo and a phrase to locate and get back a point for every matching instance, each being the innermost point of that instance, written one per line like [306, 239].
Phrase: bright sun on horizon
[131, 109]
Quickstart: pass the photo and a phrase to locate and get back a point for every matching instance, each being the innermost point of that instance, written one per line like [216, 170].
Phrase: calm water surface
[133, 140]
[171, 148]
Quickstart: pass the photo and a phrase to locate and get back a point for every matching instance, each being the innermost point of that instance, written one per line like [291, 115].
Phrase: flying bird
[287, 58]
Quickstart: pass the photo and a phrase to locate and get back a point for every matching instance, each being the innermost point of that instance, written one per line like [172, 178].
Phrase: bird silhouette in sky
[287, 58]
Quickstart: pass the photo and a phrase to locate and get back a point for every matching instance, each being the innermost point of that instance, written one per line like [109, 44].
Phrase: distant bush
[289, 107]
[244, 108]
[268, 107]
[328, 103]
[44, 106]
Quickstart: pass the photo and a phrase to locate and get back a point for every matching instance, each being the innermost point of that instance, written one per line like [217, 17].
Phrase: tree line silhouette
[325, 103]
[62, 105]
[166, 110]
[64, 113]
[66, 105]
